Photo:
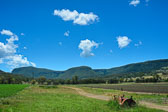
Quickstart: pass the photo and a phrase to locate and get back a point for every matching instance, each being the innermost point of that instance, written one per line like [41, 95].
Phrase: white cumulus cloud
[6, 32]
[17, 61]
[123, 41]
[85, 19]
[77, 18]
[67, 33]
[134, 2]
[8, 52]
[86, 47]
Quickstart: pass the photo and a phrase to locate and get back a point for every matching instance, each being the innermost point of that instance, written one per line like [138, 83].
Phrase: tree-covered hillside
[144, 67]
[37, 72]
[82, 72]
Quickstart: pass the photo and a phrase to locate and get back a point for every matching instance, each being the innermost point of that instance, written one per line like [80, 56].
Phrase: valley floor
[62, 99]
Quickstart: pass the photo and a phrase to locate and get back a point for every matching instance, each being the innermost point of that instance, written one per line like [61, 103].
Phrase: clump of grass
[114, 105]
[48, 86]
[4, 102]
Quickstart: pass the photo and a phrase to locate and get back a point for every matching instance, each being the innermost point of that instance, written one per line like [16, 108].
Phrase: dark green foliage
[92, 81]
[75, 80]
[41, 80]
[113, 81]
[7, 78]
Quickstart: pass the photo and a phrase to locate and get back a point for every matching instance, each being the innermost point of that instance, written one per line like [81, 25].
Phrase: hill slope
[147, 66]
[87, 72]
[81, 72]
[36, 72]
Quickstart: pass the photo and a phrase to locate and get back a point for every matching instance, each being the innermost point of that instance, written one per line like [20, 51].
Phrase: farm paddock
[60, 99]
[134, 87]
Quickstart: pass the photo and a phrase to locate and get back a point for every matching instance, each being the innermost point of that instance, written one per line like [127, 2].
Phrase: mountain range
[87, 72]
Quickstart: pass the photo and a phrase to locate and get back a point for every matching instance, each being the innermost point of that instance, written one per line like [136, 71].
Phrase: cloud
[9, 48]
[138, 44]
[17, 61]
[134, 2]
[22, 34]
[33, 64]
[67, 33]
[123, 41]
[66, 15]
[8, 52]
[85, 19]
[24, 47]
[60, 43]
[86, 47]
[111, 51]
[77, 18]
[6, 32]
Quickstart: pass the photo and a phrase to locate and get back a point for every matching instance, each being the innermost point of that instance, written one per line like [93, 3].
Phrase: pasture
[61, 99]
[10, 89]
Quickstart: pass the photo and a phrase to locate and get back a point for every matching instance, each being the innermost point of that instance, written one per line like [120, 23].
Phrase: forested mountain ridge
[87, 72]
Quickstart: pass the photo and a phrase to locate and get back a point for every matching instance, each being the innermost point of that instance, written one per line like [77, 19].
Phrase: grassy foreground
[40, 99]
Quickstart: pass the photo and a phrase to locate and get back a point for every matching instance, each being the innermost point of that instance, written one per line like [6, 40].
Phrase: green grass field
[60, 99]
[10, 89]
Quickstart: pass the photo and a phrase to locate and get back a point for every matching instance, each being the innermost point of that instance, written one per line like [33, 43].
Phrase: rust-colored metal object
[125, 101]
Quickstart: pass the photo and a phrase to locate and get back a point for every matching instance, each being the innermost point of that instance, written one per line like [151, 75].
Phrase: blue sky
[99, 33]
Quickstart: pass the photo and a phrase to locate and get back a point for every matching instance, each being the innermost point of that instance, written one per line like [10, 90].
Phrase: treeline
[74, 80]
[155, 78]
[7, 78]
